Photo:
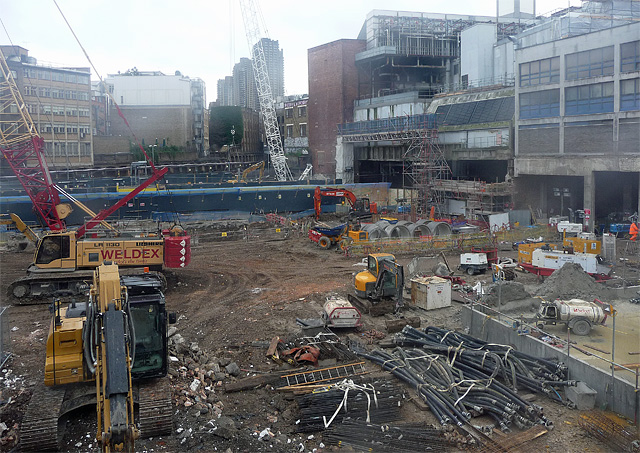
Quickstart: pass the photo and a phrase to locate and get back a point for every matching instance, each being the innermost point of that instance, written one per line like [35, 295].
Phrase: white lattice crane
[267, 108]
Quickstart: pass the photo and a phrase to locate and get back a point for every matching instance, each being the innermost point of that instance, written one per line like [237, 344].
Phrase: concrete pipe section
[398, 232]
[439, 228]
[416, 230]
[375, 232]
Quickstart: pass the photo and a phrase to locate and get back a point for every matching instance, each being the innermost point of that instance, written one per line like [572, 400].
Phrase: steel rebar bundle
[459, 376]
[375, 402]
[373, 437]
[612, 433]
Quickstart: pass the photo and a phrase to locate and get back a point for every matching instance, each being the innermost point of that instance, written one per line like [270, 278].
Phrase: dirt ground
[233, 297]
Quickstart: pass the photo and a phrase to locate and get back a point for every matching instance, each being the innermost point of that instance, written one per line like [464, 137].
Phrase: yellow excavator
[118, 338]
[248, 170]
[13, 220]
[379, 288]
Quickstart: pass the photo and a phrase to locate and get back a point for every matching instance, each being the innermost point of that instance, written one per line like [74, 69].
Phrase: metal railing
[398, 124]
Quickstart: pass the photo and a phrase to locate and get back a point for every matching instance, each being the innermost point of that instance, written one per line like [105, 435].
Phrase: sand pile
[571, 281]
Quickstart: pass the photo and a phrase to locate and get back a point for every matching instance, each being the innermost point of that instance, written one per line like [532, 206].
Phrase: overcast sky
[200, 38]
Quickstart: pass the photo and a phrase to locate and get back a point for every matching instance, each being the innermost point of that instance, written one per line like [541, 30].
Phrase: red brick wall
[333, 87]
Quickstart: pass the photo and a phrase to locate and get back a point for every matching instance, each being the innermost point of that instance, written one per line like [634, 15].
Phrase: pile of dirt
[500, 294]
[572, 282]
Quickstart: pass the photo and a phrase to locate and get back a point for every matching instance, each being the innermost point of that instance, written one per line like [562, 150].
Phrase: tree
[221, 121]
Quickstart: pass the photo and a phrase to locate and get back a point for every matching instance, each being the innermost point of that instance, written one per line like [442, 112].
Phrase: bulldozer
[379, 288]
[111, 351]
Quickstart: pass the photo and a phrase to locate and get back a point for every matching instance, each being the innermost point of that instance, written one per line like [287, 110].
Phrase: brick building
[333, 88]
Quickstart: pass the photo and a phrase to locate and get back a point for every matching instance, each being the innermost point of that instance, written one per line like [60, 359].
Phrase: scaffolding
[425, 170]
[481, 198]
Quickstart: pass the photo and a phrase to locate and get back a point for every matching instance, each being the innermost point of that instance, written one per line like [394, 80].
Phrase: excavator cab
[370, 283]
[148, 311]
[55, 251]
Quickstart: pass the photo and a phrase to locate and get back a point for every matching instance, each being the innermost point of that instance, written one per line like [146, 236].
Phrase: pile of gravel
[572, 282]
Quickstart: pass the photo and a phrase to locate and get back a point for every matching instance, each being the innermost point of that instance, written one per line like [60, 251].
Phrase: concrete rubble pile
[195, 377]
[200, 381]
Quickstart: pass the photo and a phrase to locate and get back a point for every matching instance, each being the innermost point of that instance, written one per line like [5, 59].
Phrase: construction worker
[633, 230]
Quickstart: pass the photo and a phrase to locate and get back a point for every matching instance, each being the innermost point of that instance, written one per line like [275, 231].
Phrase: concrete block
[583, 396]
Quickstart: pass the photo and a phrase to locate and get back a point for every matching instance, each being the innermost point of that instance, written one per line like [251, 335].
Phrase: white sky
[200, 38]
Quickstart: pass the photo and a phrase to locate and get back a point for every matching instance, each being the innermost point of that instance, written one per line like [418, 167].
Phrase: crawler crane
[64, 258]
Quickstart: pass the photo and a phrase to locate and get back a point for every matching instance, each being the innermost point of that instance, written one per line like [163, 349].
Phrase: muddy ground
[236, 295]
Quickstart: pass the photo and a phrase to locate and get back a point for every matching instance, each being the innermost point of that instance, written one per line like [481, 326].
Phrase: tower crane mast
[267, 108]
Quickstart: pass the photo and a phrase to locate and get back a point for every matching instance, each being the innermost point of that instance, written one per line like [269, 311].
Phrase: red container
[177, 251]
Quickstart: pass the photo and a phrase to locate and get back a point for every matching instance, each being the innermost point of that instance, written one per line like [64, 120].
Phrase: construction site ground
[234, 297]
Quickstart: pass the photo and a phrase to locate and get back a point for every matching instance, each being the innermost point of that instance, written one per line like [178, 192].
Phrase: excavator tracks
[39, 430]
[38, 288]
[155, 408]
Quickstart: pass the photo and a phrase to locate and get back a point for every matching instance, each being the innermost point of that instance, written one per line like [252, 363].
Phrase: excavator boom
[110, 317]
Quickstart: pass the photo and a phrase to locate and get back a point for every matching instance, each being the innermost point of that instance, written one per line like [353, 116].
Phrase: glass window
[289, 130]
[590, 63]
[303, 130]
[630, 56]
[288, 113]
[586, 99]
[540, 72]
[630, 94]
[540, 104]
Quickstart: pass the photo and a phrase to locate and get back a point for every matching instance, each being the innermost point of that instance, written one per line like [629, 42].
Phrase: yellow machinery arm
[258, 165]
[109, 341]
[22, 227]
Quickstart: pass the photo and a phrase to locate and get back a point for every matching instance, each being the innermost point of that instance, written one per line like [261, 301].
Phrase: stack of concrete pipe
[403, 229]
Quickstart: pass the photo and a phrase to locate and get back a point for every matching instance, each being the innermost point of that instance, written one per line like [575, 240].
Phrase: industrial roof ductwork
[439, 228]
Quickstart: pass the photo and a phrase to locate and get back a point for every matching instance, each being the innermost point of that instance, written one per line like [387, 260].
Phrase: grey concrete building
[163, 110]
[577, 122]
[245, 93]
[225, 91]
[274, 57]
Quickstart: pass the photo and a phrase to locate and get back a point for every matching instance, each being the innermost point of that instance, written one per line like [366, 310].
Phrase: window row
[57, 110]
[581, 65]
[581, 100]
[64, 149]
[61, 128]
[302, 127]
[46, 92]
[302, 111]
[56, 76]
